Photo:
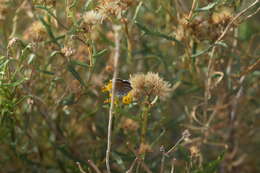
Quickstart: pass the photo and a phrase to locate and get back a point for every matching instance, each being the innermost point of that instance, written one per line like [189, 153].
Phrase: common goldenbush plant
[129, 86]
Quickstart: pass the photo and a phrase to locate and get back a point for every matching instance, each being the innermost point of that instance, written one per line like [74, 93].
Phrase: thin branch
[48, 10]
[130, 170]
[251, 15]
[172, 168]
[236, 100]
[234, 19]
[162, 149]
[80, 167]
[15, 19]
[146, 168]
[116, 57]
[174, 147]
[92, 164]
[212, 60]
[194, 2]
[139, 159]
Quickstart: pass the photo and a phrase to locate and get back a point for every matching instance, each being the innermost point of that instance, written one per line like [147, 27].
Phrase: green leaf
[73, 71]
[221, 43]
[82, 64]
[100, 53]
[87, 4]
[73, 4]
[68, 100]
[156, 33]
[46, 72]
[119, 160]
[201, 52]
[49, 30]
[137, 10]
[3, 62]
[208, 7]
[14, 84]
[31, 58]
[211, 167]
[51, 14]
[46, 9]
[25, 52]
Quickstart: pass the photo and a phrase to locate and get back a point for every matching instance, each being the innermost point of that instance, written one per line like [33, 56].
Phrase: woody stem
[144, 124]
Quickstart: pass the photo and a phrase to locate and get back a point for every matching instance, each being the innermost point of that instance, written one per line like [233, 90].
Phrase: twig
[48, 10]
[192, 8]
[235, 18]
[212, 60]
[116, 57]
[172, 169]
[139, 159]
[15, 19]
[146, 168]
[144, 124]
[251, 15]
[173, 148]
[92, 164]
[162, 149]
[236, 99]
[130, 170]
[251, 68]
[80, 167]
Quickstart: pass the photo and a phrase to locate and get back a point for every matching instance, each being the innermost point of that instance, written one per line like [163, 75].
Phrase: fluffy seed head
[92, 17]
[150, 84]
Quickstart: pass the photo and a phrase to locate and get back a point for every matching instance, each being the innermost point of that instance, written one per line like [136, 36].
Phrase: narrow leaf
[100, 53]
[73, 71]
[156, 33]
[208, 7]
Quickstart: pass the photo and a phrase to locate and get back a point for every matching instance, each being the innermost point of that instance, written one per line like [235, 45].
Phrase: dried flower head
[194, 151]
[93, 17]
[13, 42]
[197, 28]
[36, 32]
[144, 148]
[222, 15]
[149, 84]
[186, 135]
[68, 51]
[129, 124]
[113, 7]
[3, 10]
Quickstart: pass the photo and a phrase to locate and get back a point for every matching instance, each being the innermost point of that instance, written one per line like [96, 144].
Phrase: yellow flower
[107, 87]
[116, 101]
[128, 98]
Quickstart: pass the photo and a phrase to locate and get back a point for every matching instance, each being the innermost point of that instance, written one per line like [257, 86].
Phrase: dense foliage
[191, 104]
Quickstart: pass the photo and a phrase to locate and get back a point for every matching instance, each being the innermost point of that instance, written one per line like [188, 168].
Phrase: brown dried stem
[116, 57]
[80, 167]
[94, 166]
[212, 60]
